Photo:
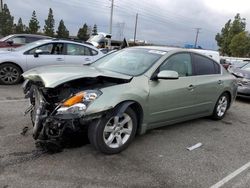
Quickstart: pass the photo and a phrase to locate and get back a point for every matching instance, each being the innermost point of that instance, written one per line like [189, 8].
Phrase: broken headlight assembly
[78, 103]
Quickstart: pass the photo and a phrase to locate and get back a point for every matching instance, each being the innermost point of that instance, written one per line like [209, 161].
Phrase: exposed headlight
[78, 103]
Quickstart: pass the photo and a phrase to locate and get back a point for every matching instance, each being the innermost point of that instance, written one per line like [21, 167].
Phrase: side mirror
[38, 52]
[168, 74]
[10, 42]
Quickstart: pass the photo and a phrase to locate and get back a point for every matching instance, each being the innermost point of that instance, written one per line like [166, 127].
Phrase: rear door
[78, 54]
[209, 81]
[51, 54]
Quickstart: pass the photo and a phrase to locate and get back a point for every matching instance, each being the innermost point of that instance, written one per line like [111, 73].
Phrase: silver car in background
[43, 52]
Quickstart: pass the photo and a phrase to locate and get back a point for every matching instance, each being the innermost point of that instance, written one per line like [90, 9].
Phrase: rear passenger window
[94, 52]
[205, 66]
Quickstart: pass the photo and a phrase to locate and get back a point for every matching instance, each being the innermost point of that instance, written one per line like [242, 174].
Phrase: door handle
[191, 87]
[59, 59]
[87, 59]
[220, 82]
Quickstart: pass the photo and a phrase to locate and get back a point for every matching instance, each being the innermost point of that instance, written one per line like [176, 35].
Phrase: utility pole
[1, 5]
[110, 24]
[196, 38]
[136, 19]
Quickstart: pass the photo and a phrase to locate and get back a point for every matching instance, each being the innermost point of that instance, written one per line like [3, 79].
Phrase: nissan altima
[125, 93]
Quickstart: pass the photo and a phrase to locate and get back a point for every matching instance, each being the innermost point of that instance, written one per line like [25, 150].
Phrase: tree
[49, 24]
[240, 45]
[20, 28]
[83, 33]
[228, 32]
[33, 24]
[6, 21]
[62, 31]
[94, 31]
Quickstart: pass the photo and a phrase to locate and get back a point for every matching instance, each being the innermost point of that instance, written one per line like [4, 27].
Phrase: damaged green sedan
[125, 93]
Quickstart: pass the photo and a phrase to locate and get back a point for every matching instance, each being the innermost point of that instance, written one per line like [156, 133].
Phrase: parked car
[126, 93]
[43, 52]
[225, 63]
[242, 72]
[16, 40]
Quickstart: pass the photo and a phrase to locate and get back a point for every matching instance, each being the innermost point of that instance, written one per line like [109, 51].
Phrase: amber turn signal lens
[75, 99]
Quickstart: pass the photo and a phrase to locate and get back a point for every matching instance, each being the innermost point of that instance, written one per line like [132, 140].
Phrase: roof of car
[162, 48]
[65, 41]
[30, 35]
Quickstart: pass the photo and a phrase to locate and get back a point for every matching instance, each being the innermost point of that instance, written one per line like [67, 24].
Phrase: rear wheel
[221, 107]
[10, 74]
[114, 134]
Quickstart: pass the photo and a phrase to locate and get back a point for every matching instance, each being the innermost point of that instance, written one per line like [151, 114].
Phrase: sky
[166, 22]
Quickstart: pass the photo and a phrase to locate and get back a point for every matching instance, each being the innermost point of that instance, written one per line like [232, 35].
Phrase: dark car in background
[16, 40]
[242, 72]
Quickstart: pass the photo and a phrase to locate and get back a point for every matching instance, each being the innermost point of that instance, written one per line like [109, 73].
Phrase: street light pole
[196, 37]
[110, 24]
[136, 19]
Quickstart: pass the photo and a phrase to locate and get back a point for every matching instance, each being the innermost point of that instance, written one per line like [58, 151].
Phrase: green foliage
[49, 24]
[240, 45]
[62, 31]
[33, 24]
[228, 32]
[94, 31]
[6, 21]
[20, 28]
[83, 33]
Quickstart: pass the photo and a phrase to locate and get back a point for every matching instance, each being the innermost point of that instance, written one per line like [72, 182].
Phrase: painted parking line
[14, 100]
[231, 176]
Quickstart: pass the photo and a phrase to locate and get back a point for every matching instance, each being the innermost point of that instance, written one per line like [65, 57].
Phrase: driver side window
[180, 63]
[49, 49]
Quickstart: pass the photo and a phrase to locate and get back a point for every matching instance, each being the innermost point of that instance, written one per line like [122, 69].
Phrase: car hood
[54, 75]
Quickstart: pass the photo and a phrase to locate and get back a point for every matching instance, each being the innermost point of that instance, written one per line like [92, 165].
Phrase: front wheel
[112, 135]
[10, 74]
[221, 107]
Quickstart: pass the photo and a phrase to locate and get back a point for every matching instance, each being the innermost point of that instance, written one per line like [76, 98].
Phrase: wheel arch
[230, 97]
[10, 62]
[136, 107]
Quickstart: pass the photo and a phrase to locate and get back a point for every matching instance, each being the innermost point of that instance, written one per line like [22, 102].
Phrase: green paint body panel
[163, 101]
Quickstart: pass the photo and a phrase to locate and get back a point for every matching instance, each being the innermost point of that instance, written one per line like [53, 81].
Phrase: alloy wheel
[9, 74]
[222, 106]
[117, 131]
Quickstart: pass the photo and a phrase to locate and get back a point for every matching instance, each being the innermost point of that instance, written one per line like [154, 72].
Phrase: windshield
[5, 38]
[246, 67]
[130, 61]
[30, 45]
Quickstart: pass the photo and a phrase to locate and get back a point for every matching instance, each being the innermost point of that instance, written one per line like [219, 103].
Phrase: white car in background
[43, 52]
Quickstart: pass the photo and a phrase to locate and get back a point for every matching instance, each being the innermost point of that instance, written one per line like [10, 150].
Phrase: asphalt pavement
[157, 159]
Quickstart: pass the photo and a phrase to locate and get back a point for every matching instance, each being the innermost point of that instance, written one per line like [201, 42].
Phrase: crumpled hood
[54, 75]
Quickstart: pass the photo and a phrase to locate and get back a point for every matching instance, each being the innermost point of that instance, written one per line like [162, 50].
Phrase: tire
[10, 74]
[111, 135]
[221, 107]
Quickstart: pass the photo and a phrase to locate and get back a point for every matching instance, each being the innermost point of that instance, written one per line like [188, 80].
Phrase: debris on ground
[194, 146]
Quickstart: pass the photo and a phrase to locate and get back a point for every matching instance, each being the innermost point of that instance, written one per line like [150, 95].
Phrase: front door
[50, 54]
[173, 99]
